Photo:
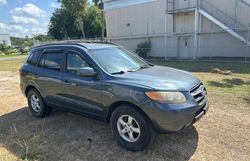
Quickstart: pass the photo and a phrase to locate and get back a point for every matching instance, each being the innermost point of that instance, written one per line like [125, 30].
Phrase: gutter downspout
[166, 30]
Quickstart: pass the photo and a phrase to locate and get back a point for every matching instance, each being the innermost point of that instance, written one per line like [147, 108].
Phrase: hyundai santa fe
[110, 83]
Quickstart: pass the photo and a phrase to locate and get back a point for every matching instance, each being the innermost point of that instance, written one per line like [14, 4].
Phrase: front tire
[36, 104]
[131, 128]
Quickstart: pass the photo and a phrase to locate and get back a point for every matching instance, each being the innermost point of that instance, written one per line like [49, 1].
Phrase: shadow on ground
[228, 83]
[65, 136]
[247, 99]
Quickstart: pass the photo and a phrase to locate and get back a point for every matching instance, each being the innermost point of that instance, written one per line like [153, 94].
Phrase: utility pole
[101, 6]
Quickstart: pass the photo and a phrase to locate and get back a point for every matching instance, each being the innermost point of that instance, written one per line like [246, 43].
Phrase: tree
[93, 22]
[96, 2]
[41, 38]
[63, 25]
[76, 8]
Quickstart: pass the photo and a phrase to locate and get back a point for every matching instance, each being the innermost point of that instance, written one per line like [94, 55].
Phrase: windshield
[118, 60]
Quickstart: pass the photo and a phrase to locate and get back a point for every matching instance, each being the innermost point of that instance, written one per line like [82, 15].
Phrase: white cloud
[45, 24]
[22, 30]
[38, 30]
[54, 5]
[2, 2]
[28, 9]
[3, 26]
[26, 21]
[23, 20]
[18, 28]
[14, 30]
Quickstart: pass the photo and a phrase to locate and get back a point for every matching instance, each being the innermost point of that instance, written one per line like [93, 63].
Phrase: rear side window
[33, 58]
[51, 61]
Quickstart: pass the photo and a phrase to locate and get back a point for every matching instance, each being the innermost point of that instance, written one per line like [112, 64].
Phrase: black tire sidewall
[146, 135]
[41, 113]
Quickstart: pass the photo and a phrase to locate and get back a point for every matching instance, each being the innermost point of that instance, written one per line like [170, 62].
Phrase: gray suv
[109, 83]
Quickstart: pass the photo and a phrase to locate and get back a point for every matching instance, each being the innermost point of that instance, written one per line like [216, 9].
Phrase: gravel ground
[223, 134]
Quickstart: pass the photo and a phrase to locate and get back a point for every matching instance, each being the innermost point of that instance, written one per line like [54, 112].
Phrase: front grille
[199, 93]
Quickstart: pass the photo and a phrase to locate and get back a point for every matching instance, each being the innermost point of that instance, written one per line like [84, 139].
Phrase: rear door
[81, 93]
[49, 76]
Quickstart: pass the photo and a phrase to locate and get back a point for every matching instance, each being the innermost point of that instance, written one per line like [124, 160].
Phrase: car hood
[161, 78]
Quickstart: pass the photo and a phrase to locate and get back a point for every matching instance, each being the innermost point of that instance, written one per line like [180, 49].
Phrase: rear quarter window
[33, 58]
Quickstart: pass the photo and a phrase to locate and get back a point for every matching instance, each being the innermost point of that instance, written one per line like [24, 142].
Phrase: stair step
[223, 26]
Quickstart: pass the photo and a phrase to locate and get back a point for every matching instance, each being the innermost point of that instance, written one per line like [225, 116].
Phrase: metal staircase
[245, 2]
[216, 15]
[223, 20]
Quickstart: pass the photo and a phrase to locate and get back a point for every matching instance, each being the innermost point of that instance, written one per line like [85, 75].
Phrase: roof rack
[72, 42]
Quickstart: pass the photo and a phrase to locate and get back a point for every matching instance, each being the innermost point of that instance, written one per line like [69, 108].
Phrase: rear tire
[132, 129]
[36, 104]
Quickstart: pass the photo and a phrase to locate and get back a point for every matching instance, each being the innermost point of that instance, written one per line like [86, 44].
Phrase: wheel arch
[115, 105]
[28, 88]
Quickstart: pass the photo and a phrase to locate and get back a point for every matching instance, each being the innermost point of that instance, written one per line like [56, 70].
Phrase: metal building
[181, 28]
[5, 39]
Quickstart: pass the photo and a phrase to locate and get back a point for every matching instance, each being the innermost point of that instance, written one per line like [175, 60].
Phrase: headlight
[167, 97]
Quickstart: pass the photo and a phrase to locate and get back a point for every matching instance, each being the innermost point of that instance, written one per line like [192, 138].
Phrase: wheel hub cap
[128, 128]
[35, 103]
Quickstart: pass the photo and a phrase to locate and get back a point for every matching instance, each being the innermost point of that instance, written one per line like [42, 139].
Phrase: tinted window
[41, 62]
[115, 60]
[33, 58]
[75, 62]
[51, 61]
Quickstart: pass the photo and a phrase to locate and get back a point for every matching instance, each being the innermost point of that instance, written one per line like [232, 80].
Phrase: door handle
[70, 83]
[36, 75]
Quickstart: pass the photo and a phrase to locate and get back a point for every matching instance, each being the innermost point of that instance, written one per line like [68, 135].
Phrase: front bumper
[169, 118]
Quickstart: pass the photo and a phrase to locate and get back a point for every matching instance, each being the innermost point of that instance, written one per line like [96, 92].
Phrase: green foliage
[143, 48]
[76, 8]
[6, 50]
[64, 23]
[17, 41]
[21, 42]
[93, 22]
[41, 38]
[96, 2]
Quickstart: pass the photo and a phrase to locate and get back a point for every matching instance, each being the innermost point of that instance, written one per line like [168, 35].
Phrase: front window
[75, 63]
[118, 60]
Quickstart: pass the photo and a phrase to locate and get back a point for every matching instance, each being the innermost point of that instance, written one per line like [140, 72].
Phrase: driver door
[83, 94]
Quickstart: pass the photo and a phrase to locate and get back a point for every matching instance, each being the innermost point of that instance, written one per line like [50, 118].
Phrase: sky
[22, 18]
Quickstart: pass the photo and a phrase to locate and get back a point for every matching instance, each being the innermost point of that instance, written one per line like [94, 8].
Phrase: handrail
[245, 2]
[222, 16]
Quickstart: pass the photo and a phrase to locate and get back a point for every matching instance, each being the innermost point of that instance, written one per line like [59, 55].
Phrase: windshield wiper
[132, 69]
[123, 72]
[145, 66]
[120, 72]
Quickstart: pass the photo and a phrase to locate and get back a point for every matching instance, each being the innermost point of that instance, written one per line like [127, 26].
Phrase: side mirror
[86, 72]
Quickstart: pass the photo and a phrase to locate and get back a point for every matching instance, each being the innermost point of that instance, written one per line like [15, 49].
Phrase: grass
[11, 65]
[205, 66]
[237, 83]
[11, 55]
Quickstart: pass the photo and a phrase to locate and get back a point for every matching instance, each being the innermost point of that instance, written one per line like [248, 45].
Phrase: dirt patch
[223, 134]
